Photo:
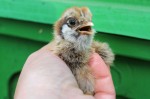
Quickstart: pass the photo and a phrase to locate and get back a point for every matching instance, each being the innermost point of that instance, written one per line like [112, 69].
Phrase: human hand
[46, 76]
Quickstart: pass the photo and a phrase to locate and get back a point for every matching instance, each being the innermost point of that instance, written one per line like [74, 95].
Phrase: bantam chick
[73, 43]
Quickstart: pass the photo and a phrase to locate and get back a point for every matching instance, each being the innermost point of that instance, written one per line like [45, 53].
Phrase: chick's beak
[86, 29]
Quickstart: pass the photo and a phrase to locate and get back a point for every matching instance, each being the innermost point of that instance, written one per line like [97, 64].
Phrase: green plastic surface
[123, 17]
[120, 44]
[26, 26]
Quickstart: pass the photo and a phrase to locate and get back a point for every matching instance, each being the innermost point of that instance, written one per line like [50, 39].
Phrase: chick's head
[75, 26]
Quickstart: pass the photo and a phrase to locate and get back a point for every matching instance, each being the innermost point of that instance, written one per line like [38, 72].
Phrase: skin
[46, 76]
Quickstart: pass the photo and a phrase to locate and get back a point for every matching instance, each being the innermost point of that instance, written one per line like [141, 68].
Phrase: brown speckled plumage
[76, 58]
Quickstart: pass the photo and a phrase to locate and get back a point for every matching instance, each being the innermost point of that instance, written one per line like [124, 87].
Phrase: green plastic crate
[26, 26]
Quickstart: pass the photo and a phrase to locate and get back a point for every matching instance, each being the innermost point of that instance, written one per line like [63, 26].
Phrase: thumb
[104, 88]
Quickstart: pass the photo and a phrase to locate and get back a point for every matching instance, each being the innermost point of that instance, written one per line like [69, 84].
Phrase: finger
[103, 81]
[104, 96]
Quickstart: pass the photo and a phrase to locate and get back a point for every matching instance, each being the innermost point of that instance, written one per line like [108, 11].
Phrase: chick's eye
[72, 22]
